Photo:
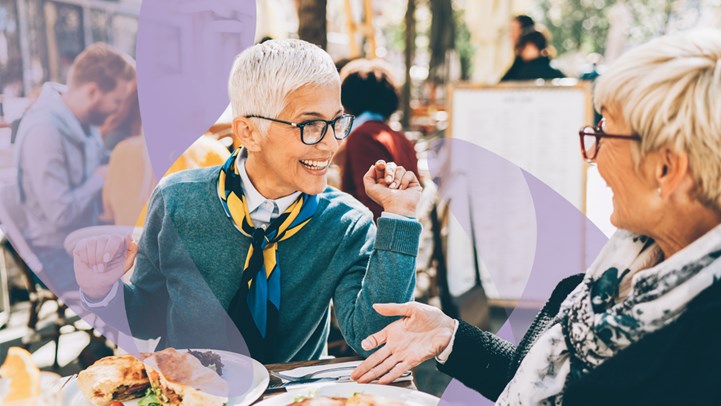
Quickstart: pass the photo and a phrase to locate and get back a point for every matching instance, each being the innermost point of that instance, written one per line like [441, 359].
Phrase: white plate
[408, 396]
[98, 231]
[234, 365]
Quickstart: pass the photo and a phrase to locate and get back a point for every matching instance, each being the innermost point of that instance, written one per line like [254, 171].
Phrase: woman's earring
[659, 192]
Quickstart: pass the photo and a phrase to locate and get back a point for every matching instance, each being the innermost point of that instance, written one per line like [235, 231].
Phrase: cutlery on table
[281, 385]
[312, 374]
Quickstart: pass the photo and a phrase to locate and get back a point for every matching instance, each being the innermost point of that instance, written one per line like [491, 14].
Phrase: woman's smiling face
[283, 161]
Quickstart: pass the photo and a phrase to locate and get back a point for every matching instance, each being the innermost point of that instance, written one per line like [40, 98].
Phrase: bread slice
[179, 378]
[116, 378]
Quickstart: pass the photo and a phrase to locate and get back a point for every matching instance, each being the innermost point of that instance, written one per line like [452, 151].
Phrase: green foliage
[582, 25]
[576, 25]
[464, 46]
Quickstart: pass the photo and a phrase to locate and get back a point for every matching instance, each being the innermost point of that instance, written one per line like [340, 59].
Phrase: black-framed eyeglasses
[313, 131]
[591, 140]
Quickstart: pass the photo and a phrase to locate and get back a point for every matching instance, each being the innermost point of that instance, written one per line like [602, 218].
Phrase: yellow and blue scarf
[262, 259]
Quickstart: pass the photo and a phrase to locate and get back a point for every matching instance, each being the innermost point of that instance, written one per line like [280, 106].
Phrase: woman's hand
[423, 333]
[393, 187]
[99, 262]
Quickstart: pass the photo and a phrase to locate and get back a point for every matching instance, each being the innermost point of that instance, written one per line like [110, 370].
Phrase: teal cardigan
[191, 257]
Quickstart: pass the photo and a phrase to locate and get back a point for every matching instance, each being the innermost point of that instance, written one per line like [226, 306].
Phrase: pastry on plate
[116, 378]
[179, 378]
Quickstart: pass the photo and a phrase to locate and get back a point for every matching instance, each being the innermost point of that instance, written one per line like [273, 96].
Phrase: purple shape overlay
[531, 218]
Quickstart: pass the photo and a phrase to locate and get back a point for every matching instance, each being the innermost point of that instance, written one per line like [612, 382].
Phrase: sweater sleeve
[384, 274]
[486, 362]
[146, 297]
[480, 360]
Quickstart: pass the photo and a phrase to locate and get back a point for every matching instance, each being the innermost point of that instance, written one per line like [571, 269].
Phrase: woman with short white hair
[261, 244]
[643, 324]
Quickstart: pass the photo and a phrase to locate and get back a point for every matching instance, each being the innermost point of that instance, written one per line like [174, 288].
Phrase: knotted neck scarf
[593, 326]
[259, 294]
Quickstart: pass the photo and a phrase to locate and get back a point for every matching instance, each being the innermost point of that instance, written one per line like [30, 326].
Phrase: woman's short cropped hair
[265, 74]
[669, 92]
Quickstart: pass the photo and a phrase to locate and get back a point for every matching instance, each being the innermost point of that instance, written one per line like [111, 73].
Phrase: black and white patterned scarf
[591, 327]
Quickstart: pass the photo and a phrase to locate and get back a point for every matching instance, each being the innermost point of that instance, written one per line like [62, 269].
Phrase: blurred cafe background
[448, 58]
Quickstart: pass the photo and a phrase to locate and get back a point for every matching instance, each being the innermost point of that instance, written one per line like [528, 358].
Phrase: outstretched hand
[423, 333]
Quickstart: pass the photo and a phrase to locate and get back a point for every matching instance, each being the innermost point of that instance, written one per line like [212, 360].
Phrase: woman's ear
[246, 133]
[671, 169]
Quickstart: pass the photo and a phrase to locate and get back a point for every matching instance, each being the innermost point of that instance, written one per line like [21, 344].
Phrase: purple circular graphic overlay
[522, 226]
[184, 55]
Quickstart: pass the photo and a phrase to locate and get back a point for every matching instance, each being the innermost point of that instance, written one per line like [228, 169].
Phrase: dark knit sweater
[679, 364]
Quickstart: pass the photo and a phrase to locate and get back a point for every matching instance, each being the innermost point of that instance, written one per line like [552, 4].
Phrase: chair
[13, 220]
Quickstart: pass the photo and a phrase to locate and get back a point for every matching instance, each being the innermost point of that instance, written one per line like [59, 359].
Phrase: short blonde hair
[264, 74]
[669, 92]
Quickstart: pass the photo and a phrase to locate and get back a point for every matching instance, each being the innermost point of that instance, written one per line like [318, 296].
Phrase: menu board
[535, 127]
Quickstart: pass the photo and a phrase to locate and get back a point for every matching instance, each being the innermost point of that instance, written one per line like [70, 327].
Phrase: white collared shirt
[262, 210]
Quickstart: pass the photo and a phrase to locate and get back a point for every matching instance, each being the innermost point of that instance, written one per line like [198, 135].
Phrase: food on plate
[116, 378]
[319, 401]
[150, 399]
[358, 399]
[167, 377]
[23, 376]
[179, 378]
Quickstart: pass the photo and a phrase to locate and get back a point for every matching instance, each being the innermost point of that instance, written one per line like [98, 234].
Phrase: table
[292, 365]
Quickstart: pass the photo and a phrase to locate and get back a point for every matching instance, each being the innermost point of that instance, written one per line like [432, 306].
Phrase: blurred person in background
[125, 122]
[642, 325]
[533, 49]
[368, 91]
[59, 151]
[130, 180]
[520, 25]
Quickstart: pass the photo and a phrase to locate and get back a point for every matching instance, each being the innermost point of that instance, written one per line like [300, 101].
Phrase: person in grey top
[59, 152]
[248, 256]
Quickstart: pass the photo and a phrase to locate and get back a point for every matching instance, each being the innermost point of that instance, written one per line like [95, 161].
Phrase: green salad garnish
[149, 399]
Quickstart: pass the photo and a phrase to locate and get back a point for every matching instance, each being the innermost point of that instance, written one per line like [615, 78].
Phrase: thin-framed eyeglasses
[313, 131]
[591, 140]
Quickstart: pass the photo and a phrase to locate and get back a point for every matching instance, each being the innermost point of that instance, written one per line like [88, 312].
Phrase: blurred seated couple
[247, 256]
[642, 325]
[130, 178]
[64, 141]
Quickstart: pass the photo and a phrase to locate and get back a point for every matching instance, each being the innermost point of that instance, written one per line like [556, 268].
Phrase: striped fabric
[261, 271]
